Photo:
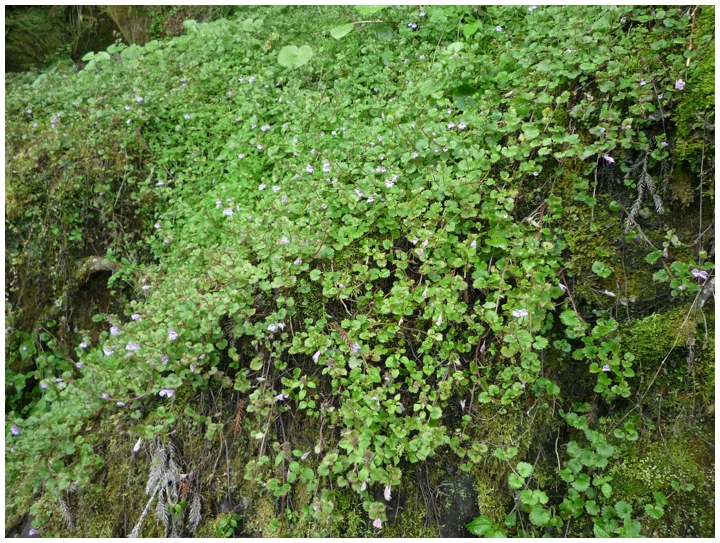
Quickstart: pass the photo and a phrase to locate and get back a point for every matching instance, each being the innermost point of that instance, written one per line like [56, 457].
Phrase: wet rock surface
[457, 505]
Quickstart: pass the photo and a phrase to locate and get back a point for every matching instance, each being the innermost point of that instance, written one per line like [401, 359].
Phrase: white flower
[160, 183]
[241, 156]
[83, 345]
[284, 240]
[228, 212]
[606, 367]
[451, 125]
[462, 404]
[304, 456]
[520, 313]
[114, 331]
[498, 28]
[108, 352]
[298, 261]
[389, 183]
[262, 186]
[532, 8]
[166, 392]
[309, 169]
[172, 335]
[387, 493]
[121, 404]
[562, 287]
[186, 116]
[218, 204]
[157, 226]
[424, 294]
[280, 397]
[275, 188]
[608, 293]
[473, 245]
[377, 523]
[414, 155]
[363, 486]
[610, 159]
[439, 320]
[316, 356]
[260, 147]
[462, 125]
[136, 448]
[272, 327]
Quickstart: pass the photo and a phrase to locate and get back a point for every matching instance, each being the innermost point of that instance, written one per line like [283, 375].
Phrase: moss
[698, 99]
[653, 467]
[650, 339]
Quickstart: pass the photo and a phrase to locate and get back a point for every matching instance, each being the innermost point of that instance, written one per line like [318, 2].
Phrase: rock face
[460, 505]
[134, 25]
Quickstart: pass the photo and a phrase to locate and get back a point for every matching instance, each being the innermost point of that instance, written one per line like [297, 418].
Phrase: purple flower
[275, 188]
[265, 128]
[132, 346]
[520, 313]
[532, 8]
[172, 335]
[642, 83]
[135, 316]
[298, 261]
[355, 348]
[498, 28]
[414, 155]
[309, 169]
[260, 147]
[473, 245]
[114, 331]
[326, 167]
[136, 448]
[146, 287]
[462, 125]
[165, 359]
[187, 116]
[251, 80]
[606, 367]
[610, 159]
[121, 404]
[699, 274]
[679, 84]
[389, 183]
[43, 385]
[166, 392]
[15, 430]
[284, 240]
[451, 125]
[377, 522]
[228, 212]
[160, 183]
[139, 99]
[108, 352]
[272, 328]
[83, 345]
[280, 397]
[32, 532]
[536, 174]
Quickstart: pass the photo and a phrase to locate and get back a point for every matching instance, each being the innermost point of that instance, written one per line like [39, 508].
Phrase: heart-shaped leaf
[340, 31]
[293, 57]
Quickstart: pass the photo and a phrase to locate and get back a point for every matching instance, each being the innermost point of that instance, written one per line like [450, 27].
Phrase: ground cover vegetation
[303, 270]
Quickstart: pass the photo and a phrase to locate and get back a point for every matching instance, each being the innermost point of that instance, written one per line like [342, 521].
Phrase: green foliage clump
[339, 267]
